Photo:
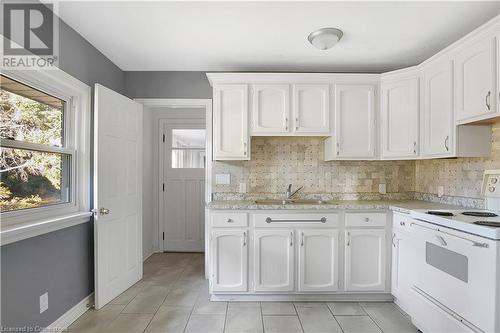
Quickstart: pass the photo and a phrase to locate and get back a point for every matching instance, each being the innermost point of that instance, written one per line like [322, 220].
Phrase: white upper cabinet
[354, 121]
[230, 122]
[311, 109]
[365, 256]
[475, 70]
[270, 109]
[318, 260]
[438, 135]
[400, 119]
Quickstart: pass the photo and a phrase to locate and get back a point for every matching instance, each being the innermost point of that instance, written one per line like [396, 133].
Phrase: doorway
[182, 173]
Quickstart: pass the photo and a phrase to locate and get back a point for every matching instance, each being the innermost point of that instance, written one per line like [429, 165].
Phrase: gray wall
[60, 262]
[167, 85]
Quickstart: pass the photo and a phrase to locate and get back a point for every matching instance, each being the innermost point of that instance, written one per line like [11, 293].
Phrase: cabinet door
[400, 119]
[274, 260]
[365, 260]
[355, 121]
[318, 260]
[231, 122]
[402, 268]
[270, 109]
[475, 80]
[229, 260]
[438, 120]
[311, 107]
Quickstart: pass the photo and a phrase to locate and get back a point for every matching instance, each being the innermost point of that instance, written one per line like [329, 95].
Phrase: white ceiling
[271, 36]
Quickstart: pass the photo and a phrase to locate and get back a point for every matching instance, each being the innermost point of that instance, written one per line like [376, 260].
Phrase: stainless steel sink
[290, 202]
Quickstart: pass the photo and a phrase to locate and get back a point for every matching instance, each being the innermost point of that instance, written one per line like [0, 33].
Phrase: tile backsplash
[279, 161]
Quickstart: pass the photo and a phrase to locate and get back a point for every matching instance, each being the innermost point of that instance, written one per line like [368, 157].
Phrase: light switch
[223, 179]
[382, 188]
[440, 191]
[243, 187]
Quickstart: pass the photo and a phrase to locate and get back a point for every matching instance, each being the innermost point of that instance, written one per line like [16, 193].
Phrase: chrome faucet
[289, 192]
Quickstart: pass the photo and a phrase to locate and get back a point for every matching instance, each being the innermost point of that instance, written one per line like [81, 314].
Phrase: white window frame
[21, 224]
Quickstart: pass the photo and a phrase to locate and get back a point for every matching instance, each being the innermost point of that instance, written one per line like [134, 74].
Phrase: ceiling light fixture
[325, 38]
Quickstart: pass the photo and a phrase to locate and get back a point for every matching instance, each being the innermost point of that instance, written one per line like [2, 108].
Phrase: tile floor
[173, 297]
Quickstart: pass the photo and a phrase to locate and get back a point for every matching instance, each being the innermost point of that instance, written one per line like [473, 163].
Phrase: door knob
[103, 211]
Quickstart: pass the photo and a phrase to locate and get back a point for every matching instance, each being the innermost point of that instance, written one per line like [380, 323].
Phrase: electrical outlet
[44, 302]
[243, 187]
[440, 191]
[382, 188]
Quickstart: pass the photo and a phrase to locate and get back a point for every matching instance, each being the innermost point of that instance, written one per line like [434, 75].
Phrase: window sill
[16, 232]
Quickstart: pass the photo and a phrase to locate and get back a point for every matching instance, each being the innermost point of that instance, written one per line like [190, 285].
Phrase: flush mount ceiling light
[325, 38]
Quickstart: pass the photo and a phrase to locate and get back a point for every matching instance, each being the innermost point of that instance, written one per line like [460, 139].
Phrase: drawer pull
[230, 221]
[244, 238]
[402, 223]
[270, 220]
[367, 219]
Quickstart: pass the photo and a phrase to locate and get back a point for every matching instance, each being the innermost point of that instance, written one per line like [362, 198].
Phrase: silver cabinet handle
[286, 124]
[270, 220]
[244, 238]
[414, 147]
[393, 236]
[103, 211]
[338, 148]
[367, 219]
[230, 221]
[402, 223]
[487, 100]
[302, 239]
[446, 142]
[296, 123]
[291, 238]
[348, 239]
[244, 148]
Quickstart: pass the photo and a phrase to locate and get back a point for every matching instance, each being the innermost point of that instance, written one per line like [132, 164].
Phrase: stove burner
[488, 223]
[439, 213]
[480, 214]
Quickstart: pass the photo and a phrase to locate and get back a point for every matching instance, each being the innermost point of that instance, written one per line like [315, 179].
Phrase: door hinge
[163, 235]
[163, 137]
[163, 187]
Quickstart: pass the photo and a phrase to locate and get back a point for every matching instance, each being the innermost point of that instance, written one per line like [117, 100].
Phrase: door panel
[271, 108]
[355, 121]
[118, 186]
[183, 200]
[318, 255]
[230, 260]
[475, 80]
[274, 260]
[311, 108]
[365, 260]
[438, 111]
[400, 119]
[231, 122]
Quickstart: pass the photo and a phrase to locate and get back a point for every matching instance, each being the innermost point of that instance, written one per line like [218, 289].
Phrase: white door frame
[205, 104]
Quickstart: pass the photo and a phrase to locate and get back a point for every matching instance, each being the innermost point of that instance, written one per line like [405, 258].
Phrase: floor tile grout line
[373, 320]
[335, 318]
[298, 317]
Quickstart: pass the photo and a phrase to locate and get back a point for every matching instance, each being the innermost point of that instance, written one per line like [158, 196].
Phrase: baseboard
[375, 297]
[63, 322]
[145, 257]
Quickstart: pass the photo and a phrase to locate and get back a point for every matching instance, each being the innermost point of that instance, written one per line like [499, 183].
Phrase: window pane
[188, 158]
[32, 179]
[30, 115]
[188, 138]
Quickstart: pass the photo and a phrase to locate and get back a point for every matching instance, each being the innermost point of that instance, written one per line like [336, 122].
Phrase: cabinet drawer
[224, 219]
[295, 220]
[365, 219]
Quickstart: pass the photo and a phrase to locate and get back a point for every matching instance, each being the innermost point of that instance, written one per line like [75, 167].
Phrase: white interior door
[183, 199]
[118, 194]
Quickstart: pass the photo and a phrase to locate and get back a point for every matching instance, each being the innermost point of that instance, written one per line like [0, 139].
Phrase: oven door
[457, 272]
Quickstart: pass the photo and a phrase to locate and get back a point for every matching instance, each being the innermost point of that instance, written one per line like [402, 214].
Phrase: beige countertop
[401, 205]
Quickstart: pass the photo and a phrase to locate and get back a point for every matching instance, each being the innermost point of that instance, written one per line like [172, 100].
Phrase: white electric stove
[484, 223]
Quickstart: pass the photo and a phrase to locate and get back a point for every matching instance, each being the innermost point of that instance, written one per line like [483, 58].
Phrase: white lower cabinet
[318, 260]
[402, 268]
[365, 256]
[229, 260]
[274, 260]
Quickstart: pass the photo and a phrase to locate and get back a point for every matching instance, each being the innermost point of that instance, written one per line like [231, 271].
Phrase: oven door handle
[474, 243]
